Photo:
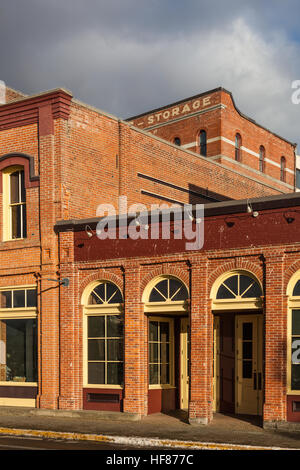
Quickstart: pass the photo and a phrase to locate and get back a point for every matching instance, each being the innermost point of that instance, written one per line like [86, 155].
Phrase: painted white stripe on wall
[244, 149]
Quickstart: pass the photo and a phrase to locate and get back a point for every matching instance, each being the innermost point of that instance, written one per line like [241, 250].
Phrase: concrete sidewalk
[159, 427]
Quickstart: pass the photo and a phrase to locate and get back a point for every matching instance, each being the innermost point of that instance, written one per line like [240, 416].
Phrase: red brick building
[139, 326]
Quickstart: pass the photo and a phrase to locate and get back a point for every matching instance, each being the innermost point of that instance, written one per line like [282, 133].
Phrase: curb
[133, 441]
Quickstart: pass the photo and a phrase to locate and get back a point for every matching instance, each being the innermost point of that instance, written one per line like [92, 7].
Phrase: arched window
[202, 143]
[168, 290]
[262, 154]
[293, 352]
[238, 144]
[282, 168]
[239, 286]
[14, 203]
[105, 293]
[177, 141]
[104, 336]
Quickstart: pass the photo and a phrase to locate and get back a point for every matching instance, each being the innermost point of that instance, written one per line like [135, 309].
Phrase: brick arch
[235, 265]
[24, 160]
[101, 275]
[164, 270]
[290, 271]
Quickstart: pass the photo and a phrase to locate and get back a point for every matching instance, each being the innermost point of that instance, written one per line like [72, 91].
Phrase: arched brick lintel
[101, 275]
[182, 275]
[24, 160]
[234, 264]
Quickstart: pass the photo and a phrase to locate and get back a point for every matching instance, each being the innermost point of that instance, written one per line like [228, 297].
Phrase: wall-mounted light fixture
[65, 281]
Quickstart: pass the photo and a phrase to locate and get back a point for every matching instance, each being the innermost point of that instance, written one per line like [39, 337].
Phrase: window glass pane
[295, 377]
[6, 297]
[113, 294]
[162, 287]
[24, 226]
[298, 178]
[96, 373]
[31, 298]
[253, 291]
[164, 374]
[224, 293]
[115, 373]
[177, 141]
[182, 292]
[296, 322]
[164, 352]
[155, 296]
[96, 349]
[153, 353]
[14, 188]
[203, 143]
[96, 327]
[164, 332]
[114, 326]
[153, 374]
[232, 283]
[114, 350]
[153, 331]
[18, 298]
[98, 295]
[16, 221]
[23, 192]
[18, 350]
[296, 290]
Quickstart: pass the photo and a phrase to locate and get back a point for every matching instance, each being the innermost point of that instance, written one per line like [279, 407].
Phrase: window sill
[19, 384]
[104, 387]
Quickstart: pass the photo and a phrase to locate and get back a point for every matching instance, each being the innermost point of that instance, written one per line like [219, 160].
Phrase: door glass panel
[247, 331]
[153, 331]
[296, 322]
[247, 369]
[247, 350]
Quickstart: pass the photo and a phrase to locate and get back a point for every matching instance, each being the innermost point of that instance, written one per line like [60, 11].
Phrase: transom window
[18, 298]
[168, 290]
[239, 286]
[105, 293]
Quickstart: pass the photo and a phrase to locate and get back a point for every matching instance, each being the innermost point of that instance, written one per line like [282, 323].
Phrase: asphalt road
[23, 443]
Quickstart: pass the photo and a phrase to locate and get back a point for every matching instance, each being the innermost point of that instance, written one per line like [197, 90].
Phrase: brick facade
[76, 157]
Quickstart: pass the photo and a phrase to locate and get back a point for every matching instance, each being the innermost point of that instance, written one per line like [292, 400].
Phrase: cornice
[26, 111]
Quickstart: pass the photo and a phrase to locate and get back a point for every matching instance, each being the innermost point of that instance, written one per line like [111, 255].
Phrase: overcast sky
[129, 56]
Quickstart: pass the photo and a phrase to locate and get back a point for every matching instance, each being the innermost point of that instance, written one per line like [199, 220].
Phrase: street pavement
[157, 429]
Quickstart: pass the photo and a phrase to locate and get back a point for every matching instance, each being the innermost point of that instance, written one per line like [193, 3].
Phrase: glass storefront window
[18, 350]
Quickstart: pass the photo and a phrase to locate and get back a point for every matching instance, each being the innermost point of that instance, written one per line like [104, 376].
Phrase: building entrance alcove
[238, 376]
[165, 304]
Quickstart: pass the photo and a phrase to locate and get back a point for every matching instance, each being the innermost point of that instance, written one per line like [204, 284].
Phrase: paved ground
[223, 429]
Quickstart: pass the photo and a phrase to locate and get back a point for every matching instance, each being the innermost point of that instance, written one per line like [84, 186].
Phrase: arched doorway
[165, 304]
[238, 343]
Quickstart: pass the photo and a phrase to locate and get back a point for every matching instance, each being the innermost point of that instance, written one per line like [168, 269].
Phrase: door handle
[254, 381]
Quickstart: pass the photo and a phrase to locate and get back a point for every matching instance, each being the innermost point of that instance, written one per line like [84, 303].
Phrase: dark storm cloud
[127, 56]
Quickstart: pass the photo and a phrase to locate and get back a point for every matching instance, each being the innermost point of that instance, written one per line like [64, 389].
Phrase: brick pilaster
[201, 398]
